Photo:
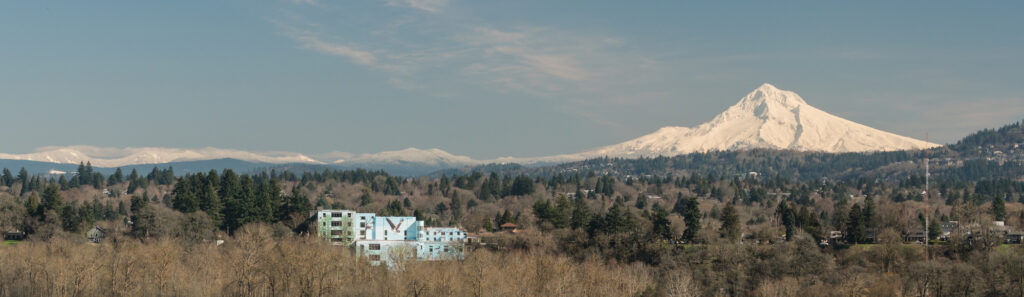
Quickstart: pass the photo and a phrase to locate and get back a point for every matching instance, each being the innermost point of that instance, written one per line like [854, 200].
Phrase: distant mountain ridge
[120, 157]
[766, 118]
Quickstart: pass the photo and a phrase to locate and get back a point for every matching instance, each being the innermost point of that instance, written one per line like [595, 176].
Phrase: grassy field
[11, 242]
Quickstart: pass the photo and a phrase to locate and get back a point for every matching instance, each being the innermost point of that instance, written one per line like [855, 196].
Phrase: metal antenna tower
[927, 211]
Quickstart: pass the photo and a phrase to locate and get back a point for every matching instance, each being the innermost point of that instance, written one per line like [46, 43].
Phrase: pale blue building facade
[389, 239]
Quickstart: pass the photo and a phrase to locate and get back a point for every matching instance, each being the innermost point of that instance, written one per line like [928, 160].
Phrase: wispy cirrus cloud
[312, 41]
[307, 2]
[432, 6]
[433, 54]
[553, 63]
[524, 48]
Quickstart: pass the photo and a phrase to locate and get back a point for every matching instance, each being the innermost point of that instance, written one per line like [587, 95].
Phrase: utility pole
[927, 211]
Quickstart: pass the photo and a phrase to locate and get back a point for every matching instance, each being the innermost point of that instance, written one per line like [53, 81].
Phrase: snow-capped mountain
[766, 118]
[429, 157]
[117, 157]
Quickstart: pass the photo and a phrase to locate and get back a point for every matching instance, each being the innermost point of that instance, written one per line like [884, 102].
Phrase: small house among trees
[96, 234]
[509, 227]
[14, 235]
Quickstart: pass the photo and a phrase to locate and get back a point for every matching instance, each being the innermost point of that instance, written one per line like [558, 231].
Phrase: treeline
[86, 176]
[208, 201]
[232, 201]
[1001, 137]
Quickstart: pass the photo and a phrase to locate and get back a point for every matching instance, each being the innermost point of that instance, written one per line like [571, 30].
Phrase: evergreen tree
[394, 208]
[445, 185]
[116, 178]
[730, 229]
[24, 178]
[365, 199]
[869, 212]
[32, 206]
[788, 219]
[499, 219]
[840, 215]
[52, 199]
[7, 178]
[641, 201]
[296, 202]
[563, 212]
[522, 185]
[185, 198]
[487, 225]
[80, 179]
[855, 225]
[267, 200]
[70, 220]
[580, 213]
[661, 227]
[507, 217]
[558, 215]
[456, 206]
[689, 208]
[999, 209]
[63, 182]
[143, 218]
[133, 185]
[934, 229]
[209, 202]
[617, 220]
[235, 198]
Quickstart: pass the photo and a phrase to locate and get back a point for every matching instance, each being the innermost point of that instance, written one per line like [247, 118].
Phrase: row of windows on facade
[363, 225]
[376, 247]
[338, 224]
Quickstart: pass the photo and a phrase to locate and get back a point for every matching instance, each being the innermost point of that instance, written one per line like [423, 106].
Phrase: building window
[374, 246]
[374, 257]
[335, 223]
[362, 232]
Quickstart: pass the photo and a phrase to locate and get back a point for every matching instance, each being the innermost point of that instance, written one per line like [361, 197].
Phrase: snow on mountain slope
[116, 157]
[765, 118]
[431, 157]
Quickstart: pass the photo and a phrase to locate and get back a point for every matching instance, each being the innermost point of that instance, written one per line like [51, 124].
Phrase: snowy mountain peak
[765, 118]
[768, 96]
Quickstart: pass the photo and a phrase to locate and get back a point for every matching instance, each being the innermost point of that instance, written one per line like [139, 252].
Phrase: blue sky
[486, 78]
